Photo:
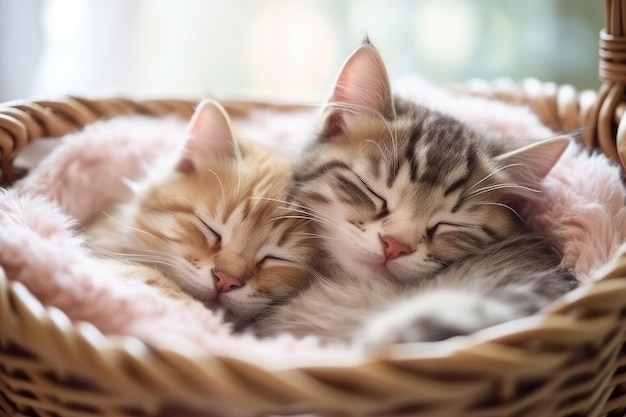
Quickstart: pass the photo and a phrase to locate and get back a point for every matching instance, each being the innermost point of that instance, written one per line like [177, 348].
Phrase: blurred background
[284, 49]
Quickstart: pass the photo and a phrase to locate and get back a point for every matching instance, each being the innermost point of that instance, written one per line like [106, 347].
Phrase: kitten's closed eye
[274, 258]
[216, 235]
[445, 227]
[353, 190]
[383, 209]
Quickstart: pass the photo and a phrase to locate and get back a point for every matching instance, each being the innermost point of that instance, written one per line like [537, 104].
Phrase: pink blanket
[582, 211]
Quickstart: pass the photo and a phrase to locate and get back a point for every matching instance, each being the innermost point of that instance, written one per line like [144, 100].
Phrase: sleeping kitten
[213, 224]
[421, 220]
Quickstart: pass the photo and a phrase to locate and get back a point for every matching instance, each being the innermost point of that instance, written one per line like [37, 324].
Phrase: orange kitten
[216, 222]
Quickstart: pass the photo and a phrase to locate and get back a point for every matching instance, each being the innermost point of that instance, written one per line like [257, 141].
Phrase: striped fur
[424, 178]
[455, 198]
[220, 206]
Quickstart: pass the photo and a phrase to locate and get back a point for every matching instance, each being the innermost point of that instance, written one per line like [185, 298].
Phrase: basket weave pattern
[569, 361]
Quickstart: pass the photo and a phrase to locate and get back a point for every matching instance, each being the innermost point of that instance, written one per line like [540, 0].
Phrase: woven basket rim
[511, 361]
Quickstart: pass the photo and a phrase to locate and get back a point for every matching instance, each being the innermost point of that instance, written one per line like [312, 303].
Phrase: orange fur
[242, 194]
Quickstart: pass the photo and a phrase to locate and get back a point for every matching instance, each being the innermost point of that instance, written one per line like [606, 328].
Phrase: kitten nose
[393, 248]
[225, 282]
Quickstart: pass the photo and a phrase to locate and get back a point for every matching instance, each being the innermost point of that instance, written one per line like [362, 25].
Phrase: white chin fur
[199, 284]
[408, 269]
[241, 303]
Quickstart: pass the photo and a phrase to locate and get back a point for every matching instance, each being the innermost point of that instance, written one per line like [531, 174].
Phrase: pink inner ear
[209, 135]
[186, 165]
[334, 124]
[361, 87]
[536, 160]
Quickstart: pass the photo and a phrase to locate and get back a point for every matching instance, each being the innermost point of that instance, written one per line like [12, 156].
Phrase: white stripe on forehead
[421, 157]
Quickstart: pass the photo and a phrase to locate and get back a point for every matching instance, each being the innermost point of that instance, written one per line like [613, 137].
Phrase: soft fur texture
[211, 222]
[409, 196]
[582, 203]
[583, 212]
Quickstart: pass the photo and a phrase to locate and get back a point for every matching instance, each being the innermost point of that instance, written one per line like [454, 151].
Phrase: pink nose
[225, 282]
[393, 248]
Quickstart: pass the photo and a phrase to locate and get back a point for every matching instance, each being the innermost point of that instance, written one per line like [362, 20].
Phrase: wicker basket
[570, 361]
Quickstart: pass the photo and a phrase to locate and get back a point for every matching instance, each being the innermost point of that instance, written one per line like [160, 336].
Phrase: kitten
[421, 220]
[213, 224]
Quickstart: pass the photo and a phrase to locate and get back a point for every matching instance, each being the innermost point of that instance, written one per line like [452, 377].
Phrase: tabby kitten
[421, 220]
[213, 224]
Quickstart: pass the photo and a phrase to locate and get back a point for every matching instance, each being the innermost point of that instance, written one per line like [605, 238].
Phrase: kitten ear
[530, 164]
[527, 167]
[209, 134]
[362, 86]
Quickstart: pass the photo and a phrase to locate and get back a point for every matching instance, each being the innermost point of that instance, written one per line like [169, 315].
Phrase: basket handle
[611, 105]
[601, 114]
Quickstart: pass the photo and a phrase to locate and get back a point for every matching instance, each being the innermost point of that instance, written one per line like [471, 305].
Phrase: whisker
[138, 253]
[220, 181]
[307, 213]
[500, 187]
[350, 108]
[382, 154]
[136, 229]
[354, 108]
[394, 141]
[305, 209]
[502, 205]
[277, 200]
[239, 160]
[316, 236]
[493, 173]
[320, 220]
[393, 133]
[139, 258]
[293, 217]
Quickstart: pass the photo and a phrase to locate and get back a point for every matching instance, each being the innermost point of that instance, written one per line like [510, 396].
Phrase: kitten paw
[435, 316]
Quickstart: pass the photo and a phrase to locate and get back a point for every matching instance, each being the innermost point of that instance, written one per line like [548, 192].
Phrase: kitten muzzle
[225, 282]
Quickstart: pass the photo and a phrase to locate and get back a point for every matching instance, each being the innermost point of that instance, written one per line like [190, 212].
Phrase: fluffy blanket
[582, 211]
